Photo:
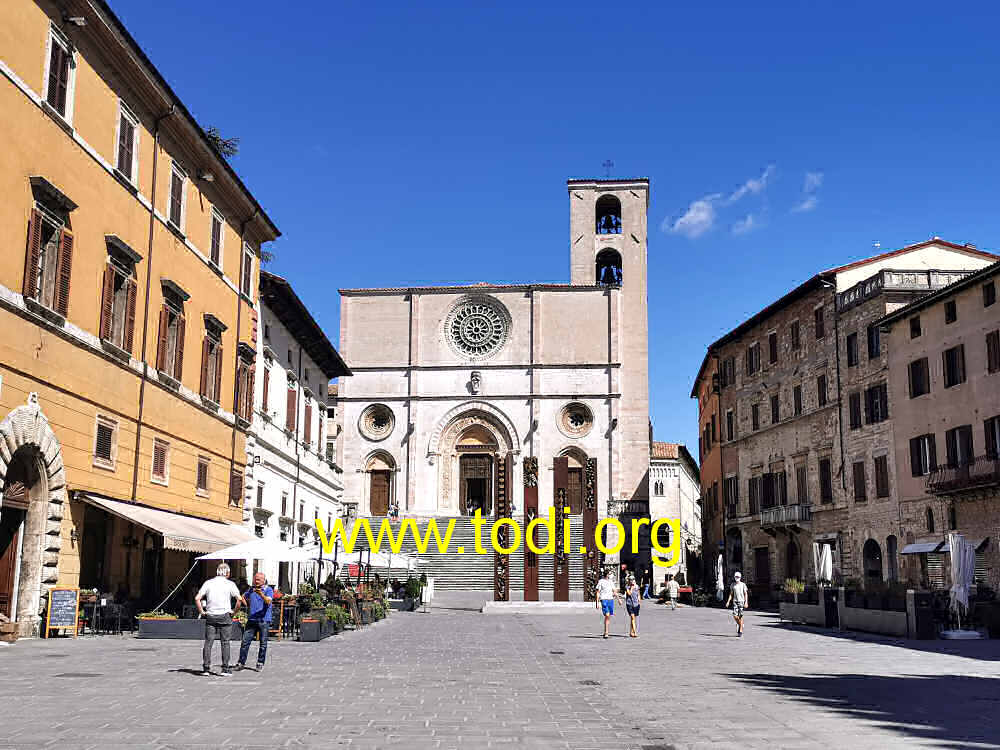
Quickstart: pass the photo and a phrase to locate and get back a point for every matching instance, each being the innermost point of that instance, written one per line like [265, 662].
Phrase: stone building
[447, 380]
[128, 266]
[292, 477]
[944, 377]
[675, 492]
[804, 433]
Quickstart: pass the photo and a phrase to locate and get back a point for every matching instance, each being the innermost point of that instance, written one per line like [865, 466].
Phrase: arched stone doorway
[381, 486]
[467, 444]
[872, 557]
[34, 492]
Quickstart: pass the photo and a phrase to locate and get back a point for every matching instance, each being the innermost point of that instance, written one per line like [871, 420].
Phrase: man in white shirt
[672, 590]
[605, 599]
[215, 600]
[739, 597]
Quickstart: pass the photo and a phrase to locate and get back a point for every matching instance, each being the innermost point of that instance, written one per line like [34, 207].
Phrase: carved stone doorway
[475, 482]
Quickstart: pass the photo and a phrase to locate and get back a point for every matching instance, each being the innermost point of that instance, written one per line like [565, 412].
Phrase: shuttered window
[797, 399]
[882, 476]
[920, 378]
[127, 140]
[915, 326]
[772, 348]
[954, 365]
[176, 209]
[874, 342]
[307, 423]
[820, 323]
[105, 443]
[993, 351]
[802, 484]
[852, 350]
[202, 479]
[825, 481]
[989, 294]
[775, 409]
[291, 406]
[216, 246]
[860, 482]
[48, 262]
[244, 389]
[821, 390]
[236, 488]
[161, 461]
[796, 336]
[854, 401]
[958, 445]
[170, 342]
[923, 455]
[266, 388]
[246, 276]
[211, 367]
[991, 432]
[117, 324]
[59, 73]
[755, 416]
[877, 403]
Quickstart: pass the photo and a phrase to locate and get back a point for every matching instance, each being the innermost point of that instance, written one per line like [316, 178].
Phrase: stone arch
[577, 477]
[29, 447]
[494, 419]
[380, 468]
[442, 447]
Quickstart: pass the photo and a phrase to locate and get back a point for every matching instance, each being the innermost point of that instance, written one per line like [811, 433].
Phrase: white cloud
[698, 219]
[813, 182]
[753, 186]
[806, 204]
[746, 224]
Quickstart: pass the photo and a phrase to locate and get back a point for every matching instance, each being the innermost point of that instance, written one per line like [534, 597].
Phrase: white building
[675, 492]
[293, 479]
[447, 380]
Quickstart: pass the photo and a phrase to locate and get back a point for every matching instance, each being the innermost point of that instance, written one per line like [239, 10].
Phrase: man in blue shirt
[258, 602]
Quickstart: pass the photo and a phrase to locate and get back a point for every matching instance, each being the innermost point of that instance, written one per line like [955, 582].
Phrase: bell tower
[608, 231]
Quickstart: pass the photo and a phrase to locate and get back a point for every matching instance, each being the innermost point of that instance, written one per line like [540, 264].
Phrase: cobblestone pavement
[454, 678]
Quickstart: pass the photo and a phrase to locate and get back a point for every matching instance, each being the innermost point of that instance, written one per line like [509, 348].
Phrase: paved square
[454, 678]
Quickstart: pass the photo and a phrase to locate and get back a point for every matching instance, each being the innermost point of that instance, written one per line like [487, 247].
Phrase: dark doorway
[872, 556]
[22, 476]
[793, 561]
[93, 549]
[474, 475]
[574, 490]
[762, 568]
[152, 569]
[10, 533]
[381, 484]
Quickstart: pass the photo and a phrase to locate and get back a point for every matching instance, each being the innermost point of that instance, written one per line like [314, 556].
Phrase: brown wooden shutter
[33, 255]
[205, 349]
[179, 356]
[319, 436]
[248, 402]
[161, 343]
[235, 487]
[130, 317]
[266, 388]
[218, 373]
[65, 272]
[307, 425]
[290, 411]
[107, 302]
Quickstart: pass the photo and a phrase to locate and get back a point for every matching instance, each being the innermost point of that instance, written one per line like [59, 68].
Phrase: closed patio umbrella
[963, 568]
[720, 584]
[826, 563]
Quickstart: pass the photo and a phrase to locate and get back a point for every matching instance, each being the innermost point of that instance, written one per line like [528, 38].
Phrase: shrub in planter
[337, 616]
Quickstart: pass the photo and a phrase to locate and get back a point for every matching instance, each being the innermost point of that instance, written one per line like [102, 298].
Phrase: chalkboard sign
[64, 607]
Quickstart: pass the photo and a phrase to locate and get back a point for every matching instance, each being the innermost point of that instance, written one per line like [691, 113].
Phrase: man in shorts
[605, 599]
[739, 597]
[672, 590]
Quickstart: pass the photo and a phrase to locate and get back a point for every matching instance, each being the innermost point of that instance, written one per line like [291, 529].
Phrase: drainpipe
[409, 407]
[236, 366]
[145, 311]
[840, 405]
[718, 414]
[611, 431]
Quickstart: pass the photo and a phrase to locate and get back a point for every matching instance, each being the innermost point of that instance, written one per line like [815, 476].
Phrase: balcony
[980, 473]
[790, 517]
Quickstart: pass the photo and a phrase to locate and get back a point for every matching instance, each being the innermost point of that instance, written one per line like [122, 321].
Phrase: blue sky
[403, 143]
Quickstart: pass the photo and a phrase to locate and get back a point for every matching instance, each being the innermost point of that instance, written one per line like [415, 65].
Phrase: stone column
[501, 562]
[560, 477]
[530, 513]
[592, 558]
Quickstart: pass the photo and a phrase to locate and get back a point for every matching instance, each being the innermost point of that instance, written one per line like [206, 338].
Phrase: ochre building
[128, 276]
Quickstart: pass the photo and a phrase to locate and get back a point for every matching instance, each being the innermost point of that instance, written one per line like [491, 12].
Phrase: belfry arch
[33, 482]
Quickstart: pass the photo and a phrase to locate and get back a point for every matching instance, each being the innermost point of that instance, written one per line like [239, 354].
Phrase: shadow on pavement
[186, 670]
[986, 650]
[950, 710]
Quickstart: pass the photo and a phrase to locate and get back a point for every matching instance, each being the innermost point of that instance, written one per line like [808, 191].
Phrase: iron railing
[785, 515]
[980, 472]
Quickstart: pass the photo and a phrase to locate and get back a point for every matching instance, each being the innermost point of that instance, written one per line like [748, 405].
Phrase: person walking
[258, 603]
[215, 600]
[604, 599]
[673, 589]
[647, 581]
[632, 606]
[739, 597]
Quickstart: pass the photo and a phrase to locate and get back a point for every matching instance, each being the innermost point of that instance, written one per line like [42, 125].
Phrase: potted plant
[794, 587]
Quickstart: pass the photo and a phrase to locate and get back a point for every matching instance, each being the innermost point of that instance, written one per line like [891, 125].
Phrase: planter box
[813, 614]
[312, 631]
[190, 630]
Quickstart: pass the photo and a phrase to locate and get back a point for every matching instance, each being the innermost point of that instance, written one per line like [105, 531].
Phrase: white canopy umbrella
[963, 570]
[720, 584]
[260, 549]
[825, 572]
[402, 560]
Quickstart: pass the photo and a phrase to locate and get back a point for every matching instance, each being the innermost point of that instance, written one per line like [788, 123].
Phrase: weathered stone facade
[810, 474]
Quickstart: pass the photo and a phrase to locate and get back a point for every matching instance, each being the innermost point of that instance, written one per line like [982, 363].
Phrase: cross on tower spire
[608, 166]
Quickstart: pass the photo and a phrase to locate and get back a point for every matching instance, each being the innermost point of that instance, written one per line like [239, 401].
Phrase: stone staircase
[471, 571]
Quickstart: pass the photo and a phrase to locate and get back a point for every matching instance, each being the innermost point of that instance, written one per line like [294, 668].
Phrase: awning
[977, 544]
[260, 549]
[183, 533]
[920, 547]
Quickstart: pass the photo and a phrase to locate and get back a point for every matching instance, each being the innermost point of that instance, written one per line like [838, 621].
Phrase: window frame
[164, 479]
[959, 376]
[56, 37]
[854, 410]
[874, 340]
[853, 354]
[819, 322]
[755, 417]
[772, 348]
[775, 404]
[950, 311]
[110, 463]
[795, 332]
[200, 491]
[881, 475]
[822, 390]
[797, 400]
[916, 330]
[989, 293]
[992, 351]
[246, 271]
[215, 215]
[926, 371]
[859, 480]
[126, 113]
[825, 481]
[176, 170]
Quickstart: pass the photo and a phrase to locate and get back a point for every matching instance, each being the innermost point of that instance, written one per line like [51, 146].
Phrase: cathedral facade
[447, 380]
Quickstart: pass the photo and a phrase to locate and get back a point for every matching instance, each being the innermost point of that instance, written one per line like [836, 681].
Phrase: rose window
[575, 419]
[376, 422]
[477, 328]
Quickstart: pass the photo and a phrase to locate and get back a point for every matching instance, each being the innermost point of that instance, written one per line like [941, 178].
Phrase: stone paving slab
[454, 678]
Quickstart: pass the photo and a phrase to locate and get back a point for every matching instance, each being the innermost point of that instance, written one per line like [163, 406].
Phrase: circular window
[576, 419]
[477, 327]
[376, 422]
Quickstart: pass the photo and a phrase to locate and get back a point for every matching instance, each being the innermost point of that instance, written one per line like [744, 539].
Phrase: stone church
[449, 379]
